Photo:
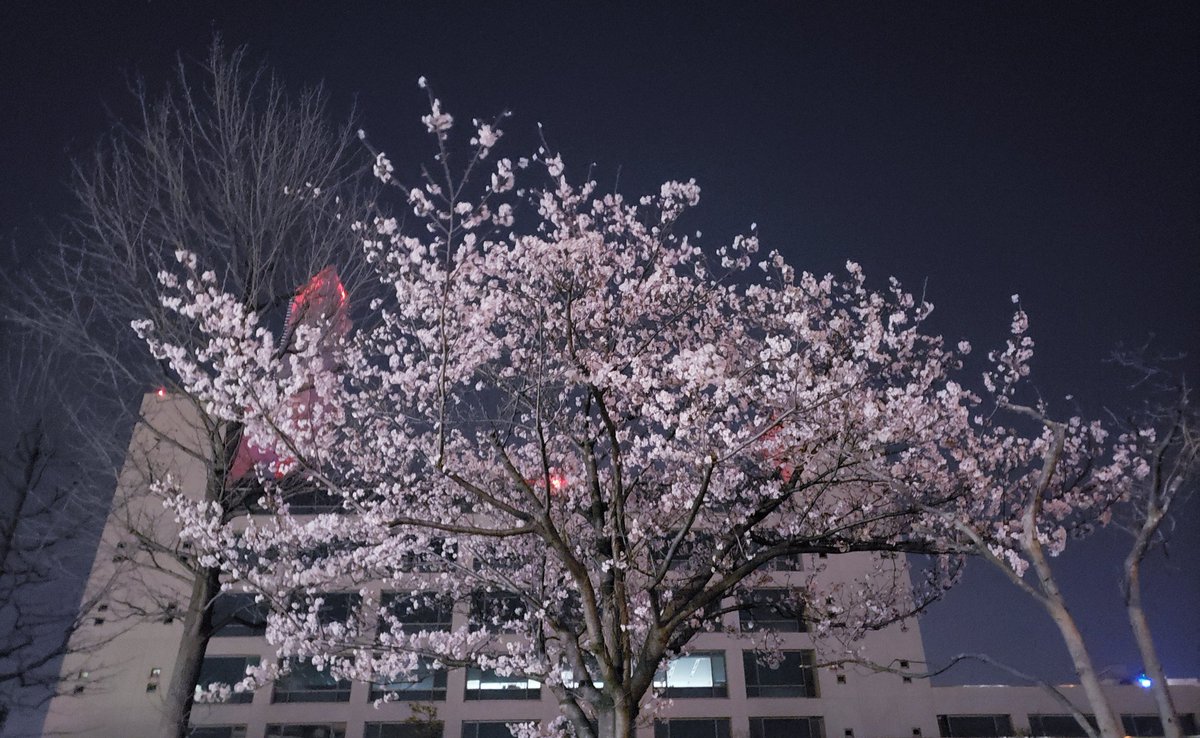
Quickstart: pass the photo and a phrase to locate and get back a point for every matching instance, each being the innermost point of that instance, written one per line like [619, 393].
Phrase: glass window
[304, 683]
[772, 609]
[694, 675]
[403, 730]
[487, 729]
[496, 611]
[218, 731]
[308, 730]
[1151, 725]
[226, 670]
[437, 555]
[692, 728]
[427, 684]
[426, 611]
[794, 677]
[787, 727]
[237, 614]
[974, 726]
[484, 684]
[1061, 726]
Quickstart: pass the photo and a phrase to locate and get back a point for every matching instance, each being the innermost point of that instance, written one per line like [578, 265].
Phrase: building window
[1151, 725]
[1060, 726]
[497, 612]
[304, 683]
[218, 731]
[425, 611]
[403, 730]
[485, 684]
[307, 730]
[974, 726]
[428, 684]
[237, 614]
[438, 555]
[771, 609]
[336, 607]
[226, 670]
[794, 677]
[787, 727]
[474, 729]
[694, 675]
[692, 728]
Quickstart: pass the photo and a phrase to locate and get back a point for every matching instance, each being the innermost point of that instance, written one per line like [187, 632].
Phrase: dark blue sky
[980, 149]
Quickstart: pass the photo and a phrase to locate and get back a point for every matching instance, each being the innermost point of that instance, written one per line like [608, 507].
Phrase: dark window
[437, 555]
[487, 730]
[426, 611]
[303, 683]
[498, 612]
[237, 614]
[337, 607]
[974, 726]
[218, 731]
[484, 684]
[301, 496]
[403, 730]
[1061, 726]
[794, 677]
[694, 675]
[427, 684]
[692, 728]
[791, 727]
[226, 670]
[1151, 725]
[307, 730]
[772, 609]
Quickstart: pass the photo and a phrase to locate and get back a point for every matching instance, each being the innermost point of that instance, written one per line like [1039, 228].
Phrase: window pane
[694, 675]
[321, 730]
[427, 611]
[795, 727]
[237, 614]
[974, 726]
[794, 677]
[772, 609]
[498, 612]
[426, 684]
[303, 683]
[226, 670]
[218, 731]
[403, 730]
[484, 684]
[1142, 725]
[692, 728]
[1061, 726]
[486, 730]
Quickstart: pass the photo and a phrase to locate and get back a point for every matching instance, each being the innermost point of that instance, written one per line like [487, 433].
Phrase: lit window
[694, 675]
[484, 684]
[427, 684]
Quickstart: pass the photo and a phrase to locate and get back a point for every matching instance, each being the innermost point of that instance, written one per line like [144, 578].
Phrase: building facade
[719, 690]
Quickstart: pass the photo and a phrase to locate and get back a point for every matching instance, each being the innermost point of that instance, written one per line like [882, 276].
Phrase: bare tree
[44, 504]
[230, 165]
[1173, 449]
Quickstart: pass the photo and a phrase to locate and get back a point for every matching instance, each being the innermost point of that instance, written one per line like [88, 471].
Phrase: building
[718, 691]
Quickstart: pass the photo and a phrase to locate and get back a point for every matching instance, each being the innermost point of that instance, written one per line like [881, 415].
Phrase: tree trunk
[1106, 719]
[616, 721]
[1145, 641]
[197, 629]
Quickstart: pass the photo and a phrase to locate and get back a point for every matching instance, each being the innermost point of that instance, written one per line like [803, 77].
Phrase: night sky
[972, 150]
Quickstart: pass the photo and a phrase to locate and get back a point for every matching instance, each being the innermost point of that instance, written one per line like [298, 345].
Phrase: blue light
[1144, 681]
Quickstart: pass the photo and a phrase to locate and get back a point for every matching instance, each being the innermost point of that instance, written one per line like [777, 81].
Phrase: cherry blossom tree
[561, 405]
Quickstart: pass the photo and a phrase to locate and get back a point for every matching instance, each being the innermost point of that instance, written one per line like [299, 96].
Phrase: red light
[161, 392]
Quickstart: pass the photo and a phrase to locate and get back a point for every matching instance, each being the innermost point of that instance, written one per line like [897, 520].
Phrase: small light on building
[1144, 681]
[161, 392]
